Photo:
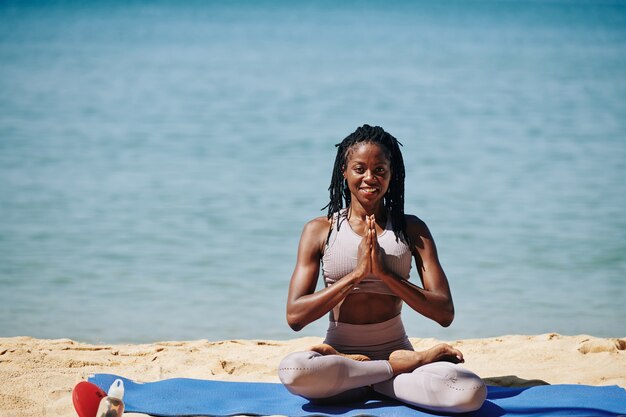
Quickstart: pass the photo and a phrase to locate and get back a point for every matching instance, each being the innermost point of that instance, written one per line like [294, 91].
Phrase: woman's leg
[437, 386]
[315, 376]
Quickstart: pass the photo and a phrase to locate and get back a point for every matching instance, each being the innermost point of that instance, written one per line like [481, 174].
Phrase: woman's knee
[439, 386]
[298, 374]
[465, 391]
[472, 394]
[295, 366]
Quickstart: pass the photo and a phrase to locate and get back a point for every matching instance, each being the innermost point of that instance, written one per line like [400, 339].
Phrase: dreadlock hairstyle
[393, 199]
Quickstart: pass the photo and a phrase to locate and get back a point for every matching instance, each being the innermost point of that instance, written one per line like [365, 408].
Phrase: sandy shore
[38, 375]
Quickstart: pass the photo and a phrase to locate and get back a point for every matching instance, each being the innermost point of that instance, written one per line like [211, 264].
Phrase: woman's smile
[369, 190]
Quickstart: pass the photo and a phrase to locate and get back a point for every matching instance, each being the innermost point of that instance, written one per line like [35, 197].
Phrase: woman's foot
[325, 350]
[403, 361]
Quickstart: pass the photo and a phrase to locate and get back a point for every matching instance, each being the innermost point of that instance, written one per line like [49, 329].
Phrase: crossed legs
[411, 377]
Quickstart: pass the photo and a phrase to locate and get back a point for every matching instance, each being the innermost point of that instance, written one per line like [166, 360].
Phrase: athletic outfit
[438, 386]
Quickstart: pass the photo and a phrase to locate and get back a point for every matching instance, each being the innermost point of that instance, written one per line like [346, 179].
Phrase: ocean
[158, 159]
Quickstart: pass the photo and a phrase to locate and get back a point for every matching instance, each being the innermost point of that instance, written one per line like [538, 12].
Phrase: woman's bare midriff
[369, 308]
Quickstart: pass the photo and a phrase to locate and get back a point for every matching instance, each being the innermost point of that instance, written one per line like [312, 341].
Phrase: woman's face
[368, 173]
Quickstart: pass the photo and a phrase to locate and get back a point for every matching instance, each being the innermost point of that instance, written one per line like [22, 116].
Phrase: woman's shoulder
[317, 226]
[415, 226]
[315, 233]
[413, 220]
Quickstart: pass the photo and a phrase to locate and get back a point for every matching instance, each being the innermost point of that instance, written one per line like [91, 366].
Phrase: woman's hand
[369, 256]
[378, 267]
[364, 256]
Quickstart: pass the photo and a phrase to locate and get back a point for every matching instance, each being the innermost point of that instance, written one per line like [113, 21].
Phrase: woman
[365, 252]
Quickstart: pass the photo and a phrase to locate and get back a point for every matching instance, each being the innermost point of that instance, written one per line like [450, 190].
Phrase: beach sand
[37, 376]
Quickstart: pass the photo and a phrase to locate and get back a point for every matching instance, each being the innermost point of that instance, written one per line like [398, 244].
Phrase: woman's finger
[374, 228]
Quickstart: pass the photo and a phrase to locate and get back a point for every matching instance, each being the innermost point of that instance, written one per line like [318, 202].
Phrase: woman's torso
[371, 301]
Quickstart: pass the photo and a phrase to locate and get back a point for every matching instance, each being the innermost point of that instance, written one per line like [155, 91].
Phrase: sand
[37, 376]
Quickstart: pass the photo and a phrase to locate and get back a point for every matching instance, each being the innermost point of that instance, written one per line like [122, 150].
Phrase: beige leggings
[438, 386]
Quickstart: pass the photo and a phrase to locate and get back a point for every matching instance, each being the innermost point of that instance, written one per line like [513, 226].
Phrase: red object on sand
[86, 397]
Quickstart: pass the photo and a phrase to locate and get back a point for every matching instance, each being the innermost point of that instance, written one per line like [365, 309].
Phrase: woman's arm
[304, 305]
[434, 300]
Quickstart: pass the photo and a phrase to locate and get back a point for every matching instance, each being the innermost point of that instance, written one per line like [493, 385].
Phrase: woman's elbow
[295, 322]
[446, 322]
[446, 318]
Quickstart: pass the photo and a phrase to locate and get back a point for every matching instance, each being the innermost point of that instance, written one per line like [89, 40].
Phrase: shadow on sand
[513, 381]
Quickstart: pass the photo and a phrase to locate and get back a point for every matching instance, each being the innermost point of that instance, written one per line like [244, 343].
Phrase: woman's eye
[359, 170]
[380, 170]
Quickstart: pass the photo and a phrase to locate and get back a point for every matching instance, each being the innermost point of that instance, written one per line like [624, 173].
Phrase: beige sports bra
[340, 255]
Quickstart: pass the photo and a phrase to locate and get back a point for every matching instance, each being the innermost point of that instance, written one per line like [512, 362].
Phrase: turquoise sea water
[159, 159]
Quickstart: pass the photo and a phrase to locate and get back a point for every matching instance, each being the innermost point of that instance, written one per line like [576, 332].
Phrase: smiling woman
[368, 172]
[364, 250]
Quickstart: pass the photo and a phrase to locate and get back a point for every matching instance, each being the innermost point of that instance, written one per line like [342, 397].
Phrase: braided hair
[394, 197]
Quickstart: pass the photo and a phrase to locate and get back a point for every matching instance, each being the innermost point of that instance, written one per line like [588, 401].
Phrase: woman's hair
[394, 197]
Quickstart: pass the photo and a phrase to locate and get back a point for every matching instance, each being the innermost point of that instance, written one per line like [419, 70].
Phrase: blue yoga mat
[194, 397]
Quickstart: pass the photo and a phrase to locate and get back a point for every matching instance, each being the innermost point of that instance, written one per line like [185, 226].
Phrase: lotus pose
[365, 250]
